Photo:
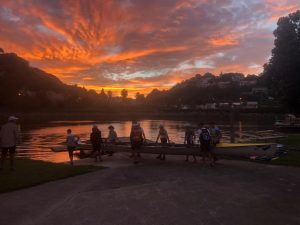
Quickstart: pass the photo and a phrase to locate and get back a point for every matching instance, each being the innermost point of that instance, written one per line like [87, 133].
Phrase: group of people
[208, 137]
[95, 139]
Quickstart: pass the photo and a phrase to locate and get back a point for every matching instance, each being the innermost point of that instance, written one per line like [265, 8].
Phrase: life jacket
[205, 136]
[136, 134]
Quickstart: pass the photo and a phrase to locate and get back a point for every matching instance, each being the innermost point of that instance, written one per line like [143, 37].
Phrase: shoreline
[104, 116]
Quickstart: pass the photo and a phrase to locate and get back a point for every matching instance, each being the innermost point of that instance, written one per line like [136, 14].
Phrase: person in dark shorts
[72, 141]
[137, 137]
[96, 140]
[164, 139]
[9, 138]
[205, 143]
[189, 138]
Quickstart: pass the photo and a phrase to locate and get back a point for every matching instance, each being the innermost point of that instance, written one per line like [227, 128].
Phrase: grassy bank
[31, 172]
[292, 144]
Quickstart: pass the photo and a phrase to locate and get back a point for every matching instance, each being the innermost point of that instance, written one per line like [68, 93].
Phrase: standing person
[137, 137]
[205, 143]
[189, 137]
[112, 135]
[164, 139]
[72, 141]
[216, 136]
[215, 133]
[96, 140]
[9, 137]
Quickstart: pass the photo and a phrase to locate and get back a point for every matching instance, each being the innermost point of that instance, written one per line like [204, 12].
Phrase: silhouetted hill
[27, 88]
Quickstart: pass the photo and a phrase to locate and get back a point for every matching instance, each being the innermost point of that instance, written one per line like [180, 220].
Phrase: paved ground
[162, 193]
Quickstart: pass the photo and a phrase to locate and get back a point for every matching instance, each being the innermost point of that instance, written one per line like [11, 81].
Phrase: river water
[37, 140]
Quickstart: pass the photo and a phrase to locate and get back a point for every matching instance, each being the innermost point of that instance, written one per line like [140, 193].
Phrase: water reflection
[37, 142]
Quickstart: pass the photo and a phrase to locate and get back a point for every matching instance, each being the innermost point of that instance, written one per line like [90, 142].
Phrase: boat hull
[242, 150]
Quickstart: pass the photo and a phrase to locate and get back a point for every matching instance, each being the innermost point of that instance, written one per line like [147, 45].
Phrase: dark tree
[282, 72]
[1, 51]
[140, 98]
[124, 94]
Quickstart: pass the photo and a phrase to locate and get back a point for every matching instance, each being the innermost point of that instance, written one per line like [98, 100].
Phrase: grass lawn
[292, 144]
[32, 172]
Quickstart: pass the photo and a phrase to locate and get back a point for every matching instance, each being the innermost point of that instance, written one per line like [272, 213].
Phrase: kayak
[230, 149]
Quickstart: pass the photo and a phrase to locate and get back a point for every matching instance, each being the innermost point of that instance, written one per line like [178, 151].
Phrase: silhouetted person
[9, 137]
[96, 141]
[205, 140]
[216, 136]
[137, 137]
[72, 141]
[112, 135]
[164, 139]
[189, 137]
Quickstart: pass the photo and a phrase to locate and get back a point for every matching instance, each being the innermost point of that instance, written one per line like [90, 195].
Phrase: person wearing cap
[164, 139]
[112, 135]
[9, 138]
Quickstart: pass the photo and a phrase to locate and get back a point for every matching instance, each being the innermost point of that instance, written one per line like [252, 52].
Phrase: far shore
[142, 115]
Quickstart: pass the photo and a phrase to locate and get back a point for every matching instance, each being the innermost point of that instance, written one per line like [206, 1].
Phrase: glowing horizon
[141, 45]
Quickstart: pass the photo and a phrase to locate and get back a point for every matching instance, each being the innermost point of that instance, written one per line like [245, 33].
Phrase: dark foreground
[168, 193]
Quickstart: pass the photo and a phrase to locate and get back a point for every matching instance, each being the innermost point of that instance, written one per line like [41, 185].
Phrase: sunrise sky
[141, 44]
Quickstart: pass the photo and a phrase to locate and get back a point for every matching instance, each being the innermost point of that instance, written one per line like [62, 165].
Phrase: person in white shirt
[9, 137]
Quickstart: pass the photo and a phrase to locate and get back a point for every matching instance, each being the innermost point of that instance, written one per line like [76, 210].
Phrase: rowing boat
[230, 149]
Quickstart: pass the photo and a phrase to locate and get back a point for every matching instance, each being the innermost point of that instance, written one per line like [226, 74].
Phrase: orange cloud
[228, 40]
[140, 45]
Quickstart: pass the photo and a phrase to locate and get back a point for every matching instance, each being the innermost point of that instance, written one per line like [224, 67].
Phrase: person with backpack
[137, 137]
[72, 141]
[189, 138]
[164, 139]
[96, 140]
[205, 143]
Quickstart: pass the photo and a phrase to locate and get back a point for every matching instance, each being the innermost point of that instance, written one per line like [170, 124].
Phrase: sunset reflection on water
[37, 142]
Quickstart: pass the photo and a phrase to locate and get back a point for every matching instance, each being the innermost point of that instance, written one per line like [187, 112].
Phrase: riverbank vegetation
[32, 172]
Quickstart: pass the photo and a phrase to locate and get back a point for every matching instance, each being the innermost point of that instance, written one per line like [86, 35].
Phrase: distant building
[223, 84]
[248, 82]
[237, 77]
[259, 91]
